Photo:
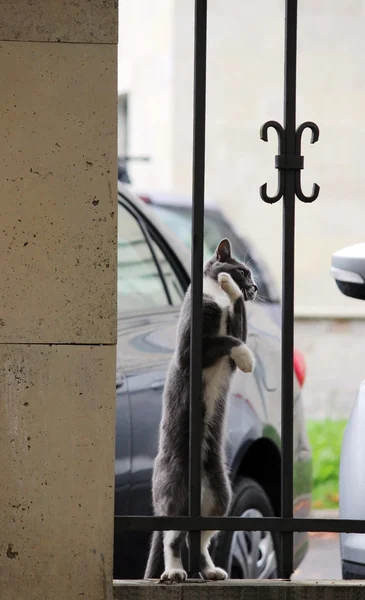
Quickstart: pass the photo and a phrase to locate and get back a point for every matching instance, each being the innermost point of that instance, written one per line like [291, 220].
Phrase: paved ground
[322, 560]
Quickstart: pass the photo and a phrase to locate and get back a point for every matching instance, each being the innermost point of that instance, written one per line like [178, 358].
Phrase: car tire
[249, 554]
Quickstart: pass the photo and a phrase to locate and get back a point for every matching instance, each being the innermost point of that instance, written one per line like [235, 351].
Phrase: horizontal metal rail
[277, 524]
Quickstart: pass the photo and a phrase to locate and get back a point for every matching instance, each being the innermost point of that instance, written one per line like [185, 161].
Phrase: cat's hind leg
[155, 564]
[209, 570]
[172, 542]
[210, 507]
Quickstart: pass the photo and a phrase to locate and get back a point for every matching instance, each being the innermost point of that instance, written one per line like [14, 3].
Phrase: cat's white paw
[216, 574]
[229, 286]
[176, 575]
[243, 358]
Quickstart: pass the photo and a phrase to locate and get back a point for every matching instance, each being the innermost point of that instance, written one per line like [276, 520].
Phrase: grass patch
[325, 439]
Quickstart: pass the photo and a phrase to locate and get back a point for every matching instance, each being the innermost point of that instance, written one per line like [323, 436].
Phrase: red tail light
[145, 199]
[300, 368]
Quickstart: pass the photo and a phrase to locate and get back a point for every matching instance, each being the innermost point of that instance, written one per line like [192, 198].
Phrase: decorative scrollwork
[285, 162]
[298, 142]
[281, 143]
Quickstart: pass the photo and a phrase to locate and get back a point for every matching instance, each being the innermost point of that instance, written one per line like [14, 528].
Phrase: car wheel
[249, 554]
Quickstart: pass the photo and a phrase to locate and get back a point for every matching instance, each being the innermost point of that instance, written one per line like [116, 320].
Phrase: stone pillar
[58, 221]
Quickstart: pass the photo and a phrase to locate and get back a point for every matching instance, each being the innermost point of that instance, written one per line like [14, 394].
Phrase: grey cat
[226, 284]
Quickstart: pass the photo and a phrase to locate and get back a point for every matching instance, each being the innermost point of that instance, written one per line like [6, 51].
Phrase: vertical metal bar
[200, 52]
[287, 382]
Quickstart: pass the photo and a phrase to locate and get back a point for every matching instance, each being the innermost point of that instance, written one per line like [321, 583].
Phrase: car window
[178, 218]
[179, 221]
[175, 289]
[139, 283]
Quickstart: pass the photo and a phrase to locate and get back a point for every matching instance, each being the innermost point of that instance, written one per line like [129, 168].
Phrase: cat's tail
[155, 563]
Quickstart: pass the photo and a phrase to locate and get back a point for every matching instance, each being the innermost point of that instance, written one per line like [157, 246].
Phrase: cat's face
[223, 262]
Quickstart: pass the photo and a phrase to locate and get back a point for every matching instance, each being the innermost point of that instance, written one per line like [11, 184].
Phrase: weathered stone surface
[94, 21]
[240, 590]
[57, 471]
[58, 193]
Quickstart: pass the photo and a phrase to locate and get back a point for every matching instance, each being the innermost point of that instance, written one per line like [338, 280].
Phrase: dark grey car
[153, 274]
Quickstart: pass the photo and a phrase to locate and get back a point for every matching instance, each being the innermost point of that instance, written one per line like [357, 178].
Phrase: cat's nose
[255, 287]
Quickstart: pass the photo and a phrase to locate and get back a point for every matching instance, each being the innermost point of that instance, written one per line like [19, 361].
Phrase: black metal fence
[289, 163]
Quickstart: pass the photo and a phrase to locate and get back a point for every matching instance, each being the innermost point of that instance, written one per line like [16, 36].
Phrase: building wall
[145, 74]
[334, 351]
[244, 89]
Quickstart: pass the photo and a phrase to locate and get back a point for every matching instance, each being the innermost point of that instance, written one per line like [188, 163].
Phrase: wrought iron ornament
[285, 162]
[289, 163]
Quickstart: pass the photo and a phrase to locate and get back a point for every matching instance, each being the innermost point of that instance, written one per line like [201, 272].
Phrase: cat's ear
[223, 251]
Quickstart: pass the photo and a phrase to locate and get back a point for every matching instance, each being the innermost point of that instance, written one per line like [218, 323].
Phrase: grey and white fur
[226, 284]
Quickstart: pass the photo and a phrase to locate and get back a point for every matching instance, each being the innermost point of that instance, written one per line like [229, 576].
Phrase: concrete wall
[57, 298]
[334, 352]
[236, 589]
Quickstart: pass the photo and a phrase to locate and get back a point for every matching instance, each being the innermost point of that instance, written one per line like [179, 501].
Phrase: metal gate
[289, 163]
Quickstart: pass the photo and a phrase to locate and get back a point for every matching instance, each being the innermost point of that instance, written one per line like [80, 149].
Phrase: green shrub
[325, 439]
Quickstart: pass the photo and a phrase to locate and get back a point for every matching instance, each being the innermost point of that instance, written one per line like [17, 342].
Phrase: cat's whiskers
[259, 299]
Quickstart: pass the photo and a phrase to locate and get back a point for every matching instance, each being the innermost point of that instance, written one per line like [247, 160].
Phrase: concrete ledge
[241, 590]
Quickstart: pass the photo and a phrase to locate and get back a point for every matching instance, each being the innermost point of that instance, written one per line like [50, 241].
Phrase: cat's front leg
[229, 286]
[243, 358]
[217, 347]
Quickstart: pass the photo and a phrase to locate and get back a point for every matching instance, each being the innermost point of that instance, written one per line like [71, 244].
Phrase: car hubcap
[252, 553]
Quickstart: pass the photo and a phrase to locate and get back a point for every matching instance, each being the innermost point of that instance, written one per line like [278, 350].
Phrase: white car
[348, 269]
